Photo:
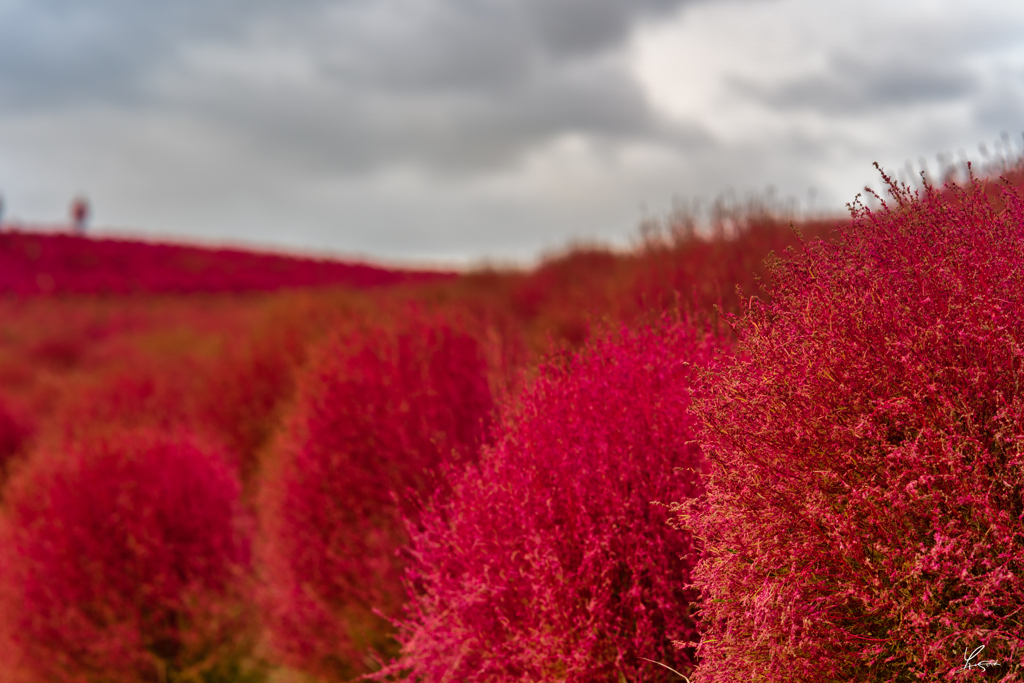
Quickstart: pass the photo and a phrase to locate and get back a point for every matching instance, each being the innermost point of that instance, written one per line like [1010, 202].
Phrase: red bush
[15, 431]
[242, 396]
[34, 263]
[550, 561]
[379, 411]
[124, 560]
[865, 514]
[697, 273]
[136, 395]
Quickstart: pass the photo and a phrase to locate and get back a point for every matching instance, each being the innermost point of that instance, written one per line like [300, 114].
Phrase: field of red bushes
[54, 262]
[758, 450]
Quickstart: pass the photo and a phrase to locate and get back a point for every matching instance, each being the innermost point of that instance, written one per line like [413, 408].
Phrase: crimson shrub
[552, 560]
[124, 560]
[379, 410]
[865, 508]
[15, 431]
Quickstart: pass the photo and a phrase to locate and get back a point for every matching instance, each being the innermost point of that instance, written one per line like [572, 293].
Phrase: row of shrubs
[854, 509]
[829, 488]
[134, 553]
[34, 263]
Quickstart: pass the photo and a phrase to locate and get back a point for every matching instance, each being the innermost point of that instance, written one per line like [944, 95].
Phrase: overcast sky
[455, 130]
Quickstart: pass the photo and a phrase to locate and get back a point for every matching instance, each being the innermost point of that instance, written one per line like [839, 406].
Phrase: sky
[462, 131]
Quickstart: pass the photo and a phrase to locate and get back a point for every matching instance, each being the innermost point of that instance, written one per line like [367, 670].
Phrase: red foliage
[125, 556]
[378, 409]
[139, 395]
[56, 263]
[378, 412]
[15, 431]
[865, 514]
[550, 561]
[683, 269]
[562, 291]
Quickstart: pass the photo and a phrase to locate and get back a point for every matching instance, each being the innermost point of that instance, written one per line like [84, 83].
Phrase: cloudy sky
[457, 130]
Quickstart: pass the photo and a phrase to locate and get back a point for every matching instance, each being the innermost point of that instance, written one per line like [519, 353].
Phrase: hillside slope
[34, 263]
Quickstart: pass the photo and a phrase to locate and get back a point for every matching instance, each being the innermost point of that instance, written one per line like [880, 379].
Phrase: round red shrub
[552, 560]
[123, 560]
[378, 412]
[865, 508]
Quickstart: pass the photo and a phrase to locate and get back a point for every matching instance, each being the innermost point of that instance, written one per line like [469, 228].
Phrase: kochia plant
[865, 513]
[15, 431]
[378, 412]
[552, 560]
[124, 560]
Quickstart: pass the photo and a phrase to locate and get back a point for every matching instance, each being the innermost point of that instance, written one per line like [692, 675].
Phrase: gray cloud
[854, 85]
[477, 44]
[354, 128]
[1003, 107]
[412, 127]
[450, 86]
[573, 27]
[62, 52]
[349, 85]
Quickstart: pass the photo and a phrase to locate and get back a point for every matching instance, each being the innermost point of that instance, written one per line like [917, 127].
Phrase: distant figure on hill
[79, 214]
